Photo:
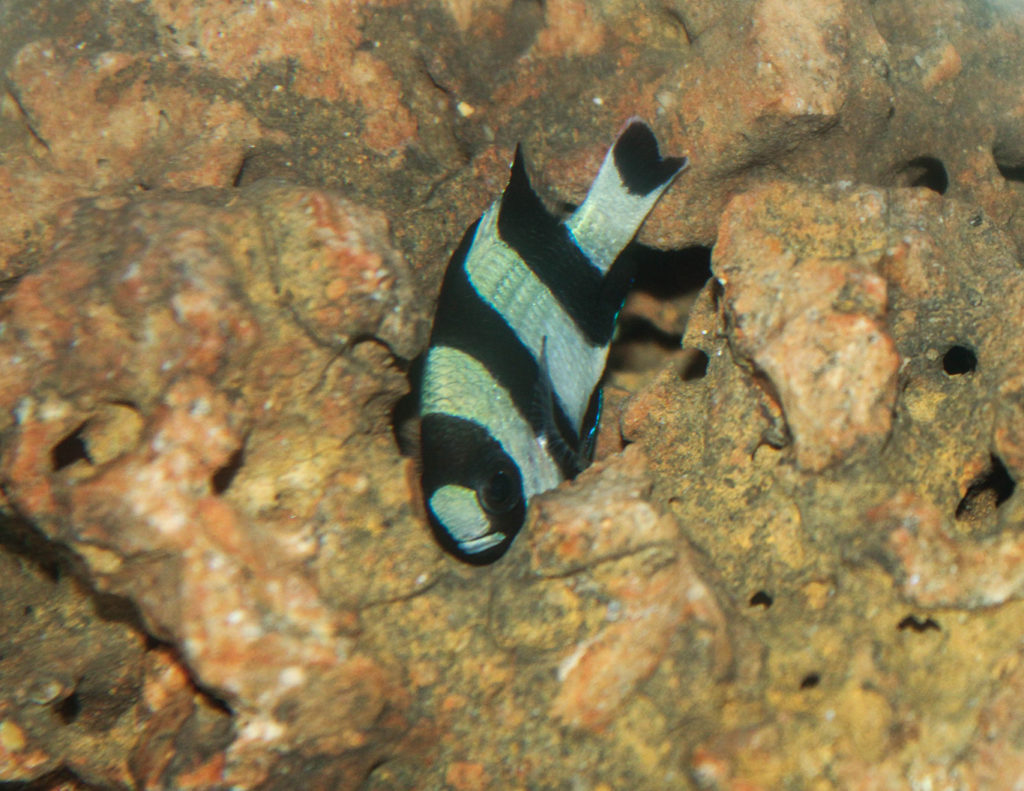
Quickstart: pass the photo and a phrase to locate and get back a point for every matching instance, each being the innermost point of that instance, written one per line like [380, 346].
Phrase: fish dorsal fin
[521, 206]
[631, 179]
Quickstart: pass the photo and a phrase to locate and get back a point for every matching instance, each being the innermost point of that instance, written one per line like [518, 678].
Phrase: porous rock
[803, 570]
[150, 355]
[899, 529]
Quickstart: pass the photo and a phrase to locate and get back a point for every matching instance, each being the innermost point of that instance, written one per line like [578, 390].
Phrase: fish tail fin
[631, 179]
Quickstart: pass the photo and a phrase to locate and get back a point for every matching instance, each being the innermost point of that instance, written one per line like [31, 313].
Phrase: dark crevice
[68, 709]
[120, 609]
[990, 490]
[69, 450]
[27, 119]
[239, 178]
[717, 294]
[915, 624]
[8, 283]
[670, 273]
[679, 22]
[665, 275]
[371, 769]
[1013, 172]
[19, 537]
[761, 599]
[222, 479]
[959, 360]
[926, 172]
[636, 329]
[696, 367]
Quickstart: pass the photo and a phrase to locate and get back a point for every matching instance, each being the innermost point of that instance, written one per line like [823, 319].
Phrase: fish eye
[499, 493]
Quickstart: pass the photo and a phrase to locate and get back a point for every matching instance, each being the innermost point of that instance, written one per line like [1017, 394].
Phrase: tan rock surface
[222, 226]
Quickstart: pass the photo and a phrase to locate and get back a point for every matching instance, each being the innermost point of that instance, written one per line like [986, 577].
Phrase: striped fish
[511, 393]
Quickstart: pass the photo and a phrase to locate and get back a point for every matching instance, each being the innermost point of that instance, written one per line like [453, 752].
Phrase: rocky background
[798, 562]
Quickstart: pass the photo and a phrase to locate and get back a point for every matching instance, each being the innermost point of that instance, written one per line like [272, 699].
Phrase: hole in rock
[225, 476]
[1014, 172]
[635, 329]
[987, 493]
[959, 360]
[915, 624]
[670, 273]
[810, 681]
[68, 709]
[240, 174]
[761, 599]
[925, 172]
[664, 286]
[69, 450]
[696, 367]
[640, 345]
[1008, 155]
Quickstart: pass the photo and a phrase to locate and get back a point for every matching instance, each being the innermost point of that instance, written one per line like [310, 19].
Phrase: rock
[918, 517]
[138, 397]
[88, 122]
[795, 561]
[650, 599]
[82, 693]
[806, 302]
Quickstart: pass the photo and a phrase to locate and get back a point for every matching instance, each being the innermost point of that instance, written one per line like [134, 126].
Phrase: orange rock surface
[796, 561]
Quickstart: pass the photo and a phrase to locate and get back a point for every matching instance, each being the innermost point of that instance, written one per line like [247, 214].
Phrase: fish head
[472, 488]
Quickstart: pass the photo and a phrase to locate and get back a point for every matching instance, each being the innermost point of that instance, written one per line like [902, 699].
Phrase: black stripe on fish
[545, 245]
[474, 459]
[465, 321]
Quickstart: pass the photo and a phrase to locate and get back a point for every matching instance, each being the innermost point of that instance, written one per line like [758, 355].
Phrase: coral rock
[806, 303]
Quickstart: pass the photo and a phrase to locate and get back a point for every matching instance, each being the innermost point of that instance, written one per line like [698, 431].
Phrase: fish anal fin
[559, 438]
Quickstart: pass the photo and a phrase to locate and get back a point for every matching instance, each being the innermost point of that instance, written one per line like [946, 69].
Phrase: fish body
[510, 396]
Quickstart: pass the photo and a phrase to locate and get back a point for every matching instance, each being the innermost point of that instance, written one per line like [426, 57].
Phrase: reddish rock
[805, 304]
[603, 519]
[801, 573]
[81, 693]
[322, 42]
[988, 571]
[107, 122]
[149, 377]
